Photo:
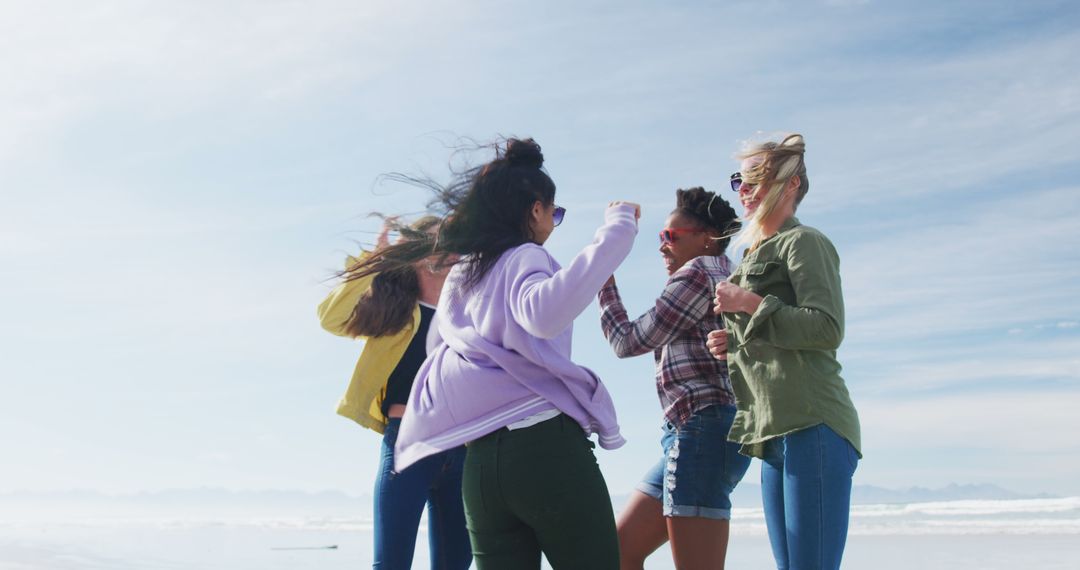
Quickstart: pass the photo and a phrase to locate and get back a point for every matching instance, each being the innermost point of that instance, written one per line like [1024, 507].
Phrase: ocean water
[1042, 533]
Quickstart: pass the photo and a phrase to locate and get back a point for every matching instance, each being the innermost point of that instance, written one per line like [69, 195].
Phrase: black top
[400, 382]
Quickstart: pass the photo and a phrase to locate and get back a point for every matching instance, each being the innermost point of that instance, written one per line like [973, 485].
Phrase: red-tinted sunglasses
[670, 235]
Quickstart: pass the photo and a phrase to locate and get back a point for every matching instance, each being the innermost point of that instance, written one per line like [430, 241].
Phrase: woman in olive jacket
[784, 317]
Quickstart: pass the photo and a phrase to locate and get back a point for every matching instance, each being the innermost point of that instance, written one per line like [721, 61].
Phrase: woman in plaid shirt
[685, 497]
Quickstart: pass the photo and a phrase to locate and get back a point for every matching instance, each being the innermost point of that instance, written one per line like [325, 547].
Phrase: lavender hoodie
[503, 347]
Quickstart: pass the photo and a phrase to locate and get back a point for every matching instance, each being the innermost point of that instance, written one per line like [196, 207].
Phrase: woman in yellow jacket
[391, 310]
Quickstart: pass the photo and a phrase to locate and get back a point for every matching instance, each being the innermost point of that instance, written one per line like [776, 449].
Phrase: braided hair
[710, 212]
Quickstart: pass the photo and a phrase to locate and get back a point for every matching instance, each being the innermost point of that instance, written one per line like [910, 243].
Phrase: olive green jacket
[782, 358]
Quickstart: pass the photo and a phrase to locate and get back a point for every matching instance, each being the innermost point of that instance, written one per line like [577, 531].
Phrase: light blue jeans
[806, 492]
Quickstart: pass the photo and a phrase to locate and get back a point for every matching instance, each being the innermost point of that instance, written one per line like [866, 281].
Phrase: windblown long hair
[388, 306]
[487, 208]
[486, 211]
[778, 163]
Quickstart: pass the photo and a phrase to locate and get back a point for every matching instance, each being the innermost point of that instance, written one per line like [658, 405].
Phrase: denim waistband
[716, 410]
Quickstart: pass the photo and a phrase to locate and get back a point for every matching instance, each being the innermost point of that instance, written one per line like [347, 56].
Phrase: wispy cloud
[980, 270]
[183, 58]
[176, 179]
[958, 121]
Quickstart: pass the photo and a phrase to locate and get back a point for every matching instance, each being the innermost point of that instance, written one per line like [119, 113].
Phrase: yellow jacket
[363, 398]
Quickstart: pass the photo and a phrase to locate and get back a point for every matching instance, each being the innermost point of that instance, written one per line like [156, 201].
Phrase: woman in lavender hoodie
[498, 375]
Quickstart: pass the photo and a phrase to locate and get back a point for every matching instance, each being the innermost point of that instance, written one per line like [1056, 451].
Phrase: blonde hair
[780, 161]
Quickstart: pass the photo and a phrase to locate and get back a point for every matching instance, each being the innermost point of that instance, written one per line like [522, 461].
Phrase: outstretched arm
[683, 303]
[545, 302]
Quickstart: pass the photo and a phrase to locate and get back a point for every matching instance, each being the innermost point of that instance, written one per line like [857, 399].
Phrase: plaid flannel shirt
[688, 378]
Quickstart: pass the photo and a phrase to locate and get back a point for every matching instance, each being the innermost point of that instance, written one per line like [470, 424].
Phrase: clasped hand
[730, 298]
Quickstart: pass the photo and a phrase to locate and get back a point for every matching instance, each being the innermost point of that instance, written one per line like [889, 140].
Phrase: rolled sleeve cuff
[769, 305]
[609, 295]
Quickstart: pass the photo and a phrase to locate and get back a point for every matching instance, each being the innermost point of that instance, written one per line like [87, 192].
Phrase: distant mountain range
[217, 502]
[867, 494]
[749, 494]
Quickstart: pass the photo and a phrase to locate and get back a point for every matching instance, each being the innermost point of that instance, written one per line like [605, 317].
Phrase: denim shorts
[699, 468]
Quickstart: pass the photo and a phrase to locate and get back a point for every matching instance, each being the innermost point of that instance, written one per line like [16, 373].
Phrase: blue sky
[178, 180]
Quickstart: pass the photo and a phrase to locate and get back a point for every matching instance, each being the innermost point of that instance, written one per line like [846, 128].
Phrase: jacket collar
[788, 224]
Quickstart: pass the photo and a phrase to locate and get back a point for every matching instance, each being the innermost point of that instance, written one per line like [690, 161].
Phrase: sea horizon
[962, 533]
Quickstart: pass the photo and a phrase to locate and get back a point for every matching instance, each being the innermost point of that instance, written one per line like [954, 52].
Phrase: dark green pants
[538, 489]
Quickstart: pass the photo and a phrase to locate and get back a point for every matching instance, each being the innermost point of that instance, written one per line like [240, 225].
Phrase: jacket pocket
[759, 268]
[756, 275]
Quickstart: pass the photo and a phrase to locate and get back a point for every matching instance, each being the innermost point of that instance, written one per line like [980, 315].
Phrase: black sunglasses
[558, 215]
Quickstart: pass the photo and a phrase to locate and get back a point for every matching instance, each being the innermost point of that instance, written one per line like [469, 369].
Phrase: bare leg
[641, 529]
[698, 543]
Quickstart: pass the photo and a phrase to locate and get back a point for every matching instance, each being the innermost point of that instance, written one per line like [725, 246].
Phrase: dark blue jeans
[806, 492]
[399, 502]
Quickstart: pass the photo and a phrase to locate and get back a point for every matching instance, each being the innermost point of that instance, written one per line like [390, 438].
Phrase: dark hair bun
[524, 153]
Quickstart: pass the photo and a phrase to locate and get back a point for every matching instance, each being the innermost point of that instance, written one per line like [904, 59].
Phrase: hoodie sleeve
[545, 301]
